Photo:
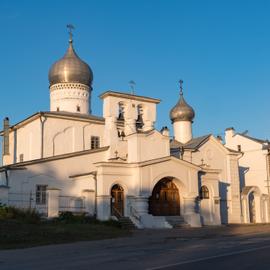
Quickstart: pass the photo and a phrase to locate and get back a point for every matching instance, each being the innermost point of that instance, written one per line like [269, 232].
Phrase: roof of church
[70, 115]
[192, 144]
[253, 139]
[76, 115]
[129, 96]
[70, 69]
[52, 158]
[195, 143]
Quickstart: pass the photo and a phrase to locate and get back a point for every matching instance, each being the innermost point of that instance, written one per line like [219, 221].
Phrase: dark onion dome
[70, 69]
[182, 111]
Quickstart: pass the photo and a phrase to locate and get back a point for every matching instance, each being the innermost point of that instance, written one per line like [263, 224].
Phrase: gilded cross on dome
[70, 28]
[181, 87]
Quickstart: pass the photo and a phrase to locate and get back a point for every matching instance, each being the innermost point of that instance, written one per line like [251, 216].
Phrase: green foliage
[70, 218]
[82, 218]
[14, 234]
[24, 228]
[22, 215]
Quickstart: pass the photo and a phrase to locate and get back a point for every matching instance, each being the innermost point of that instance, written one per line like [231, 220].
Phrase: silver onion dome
[182, 111]
[70, 69]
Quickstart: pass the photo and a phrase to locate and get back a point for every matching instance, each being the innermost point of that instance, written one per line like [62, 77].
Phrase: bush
[69, 217]
[82, 218]
[24, 215]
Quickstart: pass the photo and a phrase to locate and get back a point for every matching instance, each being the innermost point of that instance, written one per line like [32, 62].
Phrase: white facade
[182, 131]
[119, 165]
[70, 97]
[254, 168]
[56, 149]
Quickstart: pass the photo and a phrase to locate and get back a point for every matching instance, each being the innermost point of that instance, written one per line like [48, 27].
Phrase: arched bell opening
[165, 199]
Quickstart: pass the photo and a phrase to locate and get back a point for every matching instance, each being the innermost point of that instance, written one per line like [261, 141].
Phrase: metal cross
[132, 86]
[70, 28]
[181, 87]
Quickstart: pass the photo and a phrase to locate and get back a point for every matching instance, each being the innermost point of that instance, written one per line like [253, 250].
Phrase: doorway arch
[117, 201]
[165, 199]
[251, 204]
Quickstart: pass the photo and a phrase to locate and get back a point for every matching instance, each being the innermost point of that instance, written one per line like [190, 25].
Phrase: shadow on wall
[223, 191]
[242, 174]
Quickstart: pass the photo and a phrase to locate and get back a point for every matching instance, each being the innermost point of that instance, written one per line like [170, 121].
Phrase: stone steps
[126, 223]
[176, 221]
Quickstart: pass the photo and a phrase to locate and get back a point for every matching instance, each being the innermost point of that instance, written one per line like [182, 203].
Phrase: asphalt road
[240, 247]
[247, 258]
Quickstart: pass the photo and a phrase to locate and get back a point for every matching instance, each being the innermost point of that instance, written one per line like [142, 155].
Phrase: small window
[95, 142]
[57, 109]
[41, 197]
[78, 108]
[204, 193]
[21, 157]
[239, 148]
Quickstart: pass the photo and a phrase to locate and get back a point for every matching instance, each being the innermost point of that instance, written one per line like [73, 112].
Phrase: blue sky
[221, 49]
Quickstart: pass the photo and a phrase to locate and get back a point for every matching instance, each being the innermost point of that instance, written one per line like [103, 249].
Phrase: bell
[139, 122]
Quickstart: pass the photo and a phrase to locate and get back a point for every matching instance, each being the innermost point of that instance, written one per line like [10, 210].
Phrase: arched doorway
[165, 200]
[252, 209]
[252, 204]
[117, 201]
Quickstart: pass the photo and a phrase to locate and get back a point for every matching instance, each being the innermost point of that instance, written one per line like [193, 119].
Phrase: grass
[22, 229]
[16, 234]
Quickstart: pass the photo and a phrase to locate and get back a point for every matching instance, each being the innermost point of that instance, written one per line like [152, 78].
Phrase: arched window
[139, 122]
[121, 111]
[204, 193]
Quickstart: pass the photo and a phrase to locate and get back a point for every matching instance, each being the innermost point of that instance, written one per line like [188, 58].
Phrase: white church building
[119, 166]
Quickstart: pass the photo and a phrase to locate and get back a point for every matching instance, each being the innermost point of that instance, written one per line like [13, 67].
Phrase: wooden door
[117, 201]
[165, 199]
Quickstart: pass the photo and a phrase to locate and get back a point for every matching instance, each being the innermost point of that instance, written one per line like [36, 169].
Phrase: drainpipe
[7, 179]
[268, 180]
[6, 137]
[42, 119]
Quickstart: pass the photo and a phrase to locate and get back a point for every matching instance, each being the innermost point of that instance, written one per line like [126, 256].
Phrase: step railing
[134, 213]
[116, 213]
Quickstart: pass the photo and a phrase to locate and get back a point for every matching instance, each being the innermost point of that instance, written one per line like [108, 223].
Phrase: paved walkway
[145, 249]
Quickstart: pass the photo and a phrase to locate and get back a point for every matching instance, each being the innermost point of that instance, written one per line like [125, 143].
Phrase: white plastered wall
[55, 174]
[142, 147]
[60, 136]
[27, 141]
[138, 181]
[253, 168]
[69, 96]
[210, 208]
[182, 131]
[213, 155]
